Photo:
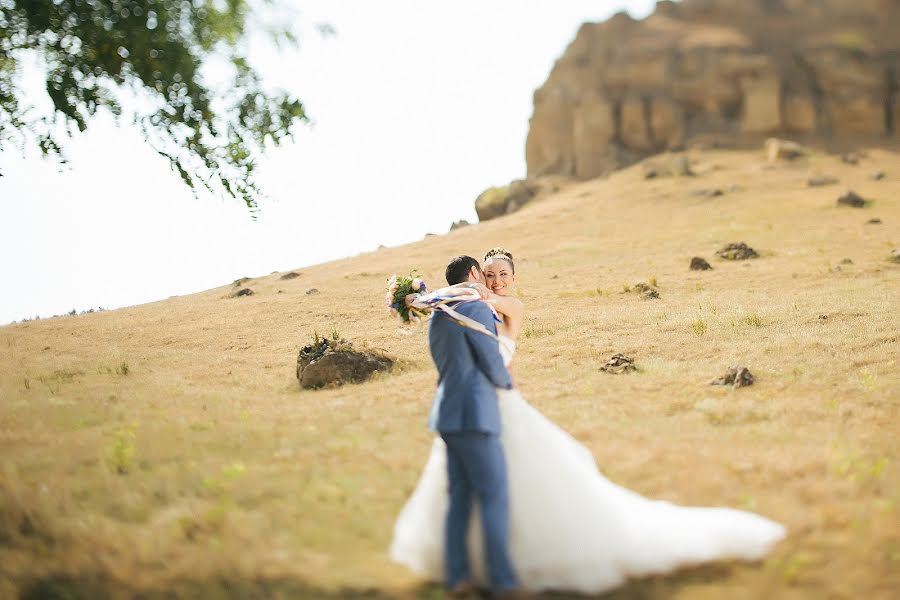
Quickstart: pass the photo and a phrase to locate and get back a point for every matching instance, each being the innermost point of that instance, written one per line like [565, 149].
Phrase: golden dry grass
[204, 471]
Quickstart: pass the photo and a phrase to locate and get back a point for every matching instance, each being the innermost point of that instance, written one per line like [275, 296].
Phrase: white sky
[418, 107]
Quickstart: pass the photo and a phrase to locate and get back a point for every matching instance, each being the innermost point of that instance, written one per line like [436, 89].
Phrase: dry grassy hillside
[165, 450]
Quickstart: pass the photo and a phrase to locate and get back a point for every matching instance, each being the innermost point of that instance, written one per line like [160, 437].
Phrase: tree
[147, 61]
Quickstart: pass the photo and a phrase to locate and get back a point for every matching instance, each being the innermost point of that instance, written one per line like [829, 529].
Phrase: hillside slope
[166, 448]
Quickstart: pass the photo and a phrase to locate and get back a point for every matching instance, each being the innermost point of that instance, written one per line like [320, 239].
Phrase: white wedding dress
[571, 528]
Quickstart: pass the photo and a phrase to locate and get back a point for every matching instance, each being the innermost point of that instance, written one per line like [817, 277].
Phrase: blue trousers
[476, 468]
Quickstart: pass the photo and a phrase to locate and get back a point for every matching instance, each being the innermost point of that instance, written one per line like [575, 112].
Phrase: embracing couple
[546, 517]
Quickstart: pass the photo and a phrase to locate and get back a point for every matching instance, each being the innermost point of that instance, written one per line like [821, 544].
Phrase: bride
[570, 527]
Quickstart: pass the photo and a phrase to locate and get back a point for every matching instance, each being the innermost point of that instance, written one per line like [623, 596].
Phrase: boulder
[290, 275]
[335, 362]
[242, 292]
[503, 200]
[459, 224]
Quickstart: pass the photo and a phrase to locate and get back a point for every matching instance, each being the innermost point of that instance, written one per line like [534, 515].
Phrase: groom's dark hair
[458, 269]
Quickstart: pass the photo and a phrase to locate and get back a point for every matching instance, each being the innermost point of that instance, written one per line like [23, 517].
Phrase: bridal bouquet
[398, 288]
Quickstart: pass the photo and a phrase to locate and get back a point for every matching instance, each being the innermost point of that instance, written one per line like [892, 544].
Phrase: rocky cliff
[625, 89]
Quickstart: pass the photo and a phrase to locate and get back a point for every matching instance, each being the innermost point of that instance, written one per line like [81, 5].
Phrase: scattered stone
[850, 158]
[458, 224]
[678, 166]
[242, 292]
[874, 221]
[878, 175]
[280, 292]
[846, 261]
[851, 198]
[241, 281]
[821, 180]
[646, 291]
[311, 291]
[291, 275]
[707, 193]
[619, 363]
[700, 264]
[738, 251]
[895, 255]
[335, 362]
[777, 149]
[736, 376]
[823, 317]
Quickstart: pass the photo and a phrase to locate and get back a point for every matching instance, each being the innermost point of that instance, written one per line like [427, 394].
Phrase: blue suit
[466, 415]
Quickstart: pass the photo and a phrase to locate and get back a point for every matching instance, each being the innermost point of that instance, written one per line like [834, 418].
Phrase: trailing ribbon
[438, 301]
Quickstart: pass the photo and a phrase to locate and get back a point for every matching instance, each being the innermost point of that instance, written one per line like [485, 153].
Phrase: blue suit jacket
[470, 368]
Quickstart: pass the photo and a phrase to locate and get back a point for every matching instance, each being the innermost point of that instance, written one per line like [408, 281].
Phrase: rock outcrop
[626, 89]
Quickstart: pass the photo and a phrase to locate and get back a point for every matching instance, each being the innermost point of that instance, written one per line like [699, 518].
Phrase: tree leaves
[119, 54]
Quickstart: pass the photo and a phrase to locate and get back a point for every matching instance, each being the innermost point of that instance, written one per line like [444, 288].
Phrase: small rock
[738, 251]
[875, 221]
[850, 158]
[241, 281]
[700, 264]
[851, 199]
[823, 317]
[290, 275]
[777, 149]
[242, 292]
[619, 363]
[821, 180]
[878, 175]
[846, 261]
[428, 235]
[707, 193]
[311, 291]
[458, 224]
[895, 255]
[736, 376]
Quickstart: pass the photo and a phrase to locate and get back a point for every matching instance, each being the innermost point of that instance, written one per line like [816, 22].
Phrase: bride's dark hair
[501, 253]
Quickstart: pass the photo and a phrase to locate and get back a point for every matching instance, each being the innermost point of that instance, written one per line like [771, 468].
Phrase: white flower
[417, 284]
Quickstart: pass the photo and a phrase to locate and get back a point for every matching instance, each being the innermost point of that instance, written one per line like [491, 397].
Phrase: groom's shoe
[464, 590]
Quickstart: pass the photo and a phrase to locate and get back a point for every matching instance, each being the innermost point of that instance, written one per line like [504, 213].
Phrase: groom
[466, 415]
